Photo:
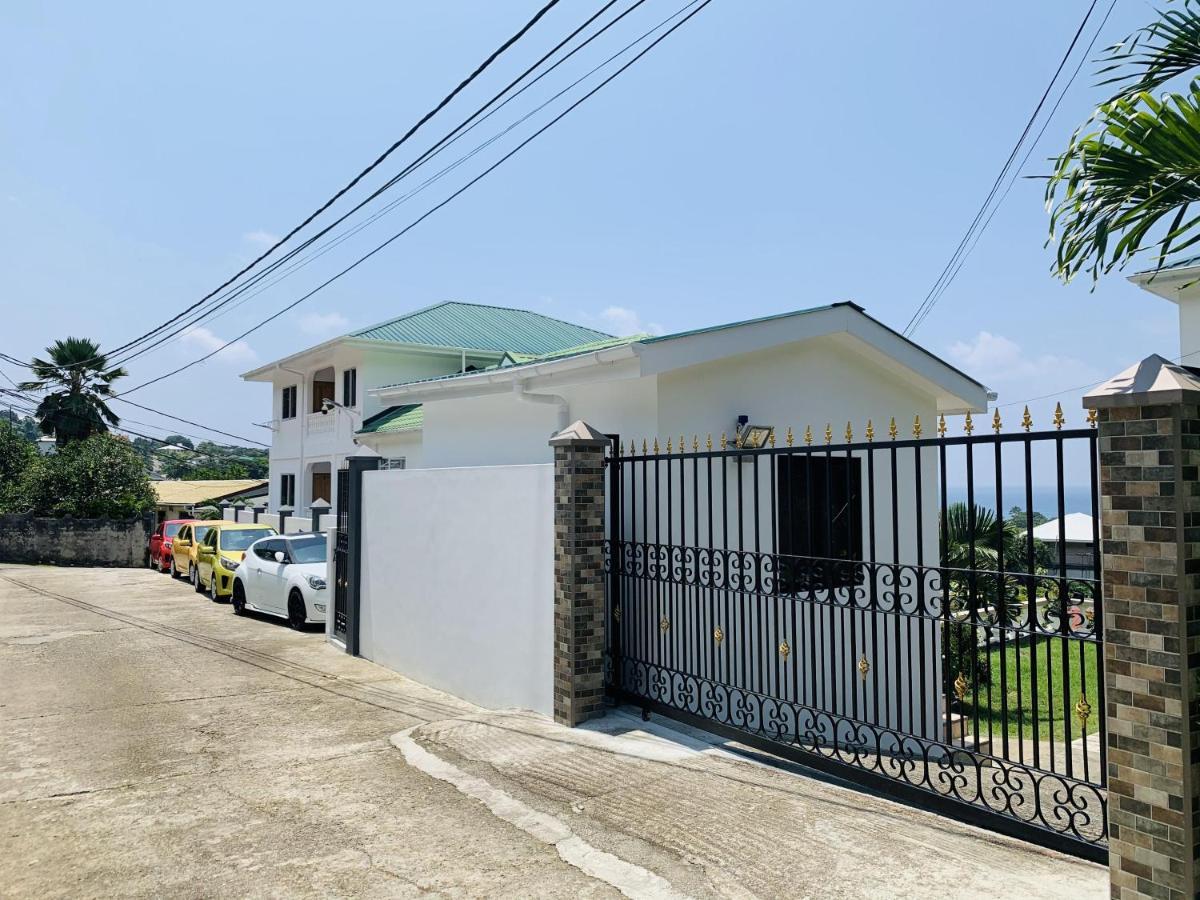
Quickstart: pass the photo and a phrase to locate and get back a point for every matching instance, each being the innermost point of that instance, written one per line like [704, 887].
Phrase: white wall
[458, 580]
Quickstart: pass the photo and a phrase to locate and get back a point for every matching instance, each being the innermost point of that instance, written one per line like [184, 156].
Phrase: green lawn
[1020, 722]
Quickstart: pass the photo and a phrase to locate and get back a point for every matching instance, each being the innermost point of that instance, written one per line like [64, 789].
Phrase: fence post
[284, 512]
[578, 573]
[357, 465]
[1149, 444]
[316, 510]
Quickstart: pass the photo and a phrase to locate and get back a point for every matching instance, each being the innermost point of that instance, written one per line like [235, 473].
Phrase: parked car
[220, 554]
[284, 576]
[160, 543]
[184, 548]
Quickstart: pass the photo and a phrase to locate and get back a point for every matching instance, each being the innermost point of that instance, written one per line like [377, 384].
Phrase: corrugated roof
[395, 419]
[473, 326]
[185, 493]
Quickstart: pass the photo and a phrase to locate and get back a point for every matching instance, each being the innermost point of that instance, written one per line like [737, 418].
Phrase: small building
[1078, 529]
[179, 499]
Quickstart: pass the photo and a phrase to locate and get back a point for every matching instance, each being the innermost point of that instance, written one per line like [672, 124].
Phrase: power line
[943, 279]
[440, 205]
[465, 126]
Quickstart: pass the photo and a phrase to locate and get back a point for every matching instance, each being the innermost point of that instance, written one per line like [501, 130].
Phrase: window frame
[288, 402]
[287, 489]
[831, 553]
[350, 387]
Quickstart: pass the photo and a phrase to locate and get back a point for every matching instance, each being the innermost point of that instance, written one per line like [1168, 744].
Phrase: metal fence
[878, 608]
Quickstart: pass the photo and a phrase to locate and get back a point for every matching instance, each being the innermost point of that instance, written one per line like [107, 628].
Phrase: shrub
[100, 477]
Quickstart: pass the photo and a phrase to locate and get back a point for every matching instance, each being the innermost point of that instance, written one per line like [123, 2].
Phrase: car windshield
[241, 538]
[308, 550]
[172, 529]
[200, 531]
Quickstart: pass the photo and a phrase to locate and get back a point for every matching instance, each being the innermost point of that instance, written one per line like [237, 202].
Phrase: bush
[100, 477]
[16, 456]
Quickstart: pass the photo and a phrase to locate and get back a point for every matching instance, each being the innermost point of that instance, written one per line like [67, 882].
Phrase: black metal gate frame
[1026, 800]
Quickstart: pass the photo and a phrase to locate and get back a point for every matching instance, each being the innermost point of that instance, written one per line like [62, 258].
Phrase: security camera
[326, 406]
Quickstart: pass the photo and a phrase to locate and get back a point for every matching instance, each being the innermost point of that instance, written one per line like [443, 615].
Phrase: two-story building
[322, 406]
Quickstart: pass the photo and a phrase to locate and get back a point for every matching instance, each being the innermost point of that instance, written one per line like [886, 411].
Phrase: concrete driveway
[155, 744]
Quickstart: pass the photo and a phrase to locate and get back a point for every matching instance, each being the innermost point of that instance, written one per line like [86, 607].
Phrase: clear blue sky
[768, 156]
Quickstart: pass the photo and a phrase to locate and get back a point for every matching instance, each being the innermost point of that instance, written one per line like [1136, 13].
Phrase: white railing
[319, 423]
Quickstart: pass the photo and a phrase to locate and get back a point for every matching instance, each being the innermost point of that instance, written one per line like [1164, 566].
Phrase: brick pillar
[1149, 421]
[578, 574]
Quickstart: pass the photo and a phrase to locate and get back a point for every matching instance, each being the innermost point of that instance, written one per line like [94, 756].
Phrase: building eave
[319, 351]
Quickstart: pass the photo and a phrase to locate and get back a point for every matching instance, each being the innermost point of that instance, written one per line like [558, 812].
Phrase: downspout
[556, 400]
[301, 403]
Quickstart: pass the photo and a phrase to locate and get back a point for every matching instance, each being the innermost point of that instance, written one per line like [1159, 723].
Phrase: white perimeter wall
[458, 580]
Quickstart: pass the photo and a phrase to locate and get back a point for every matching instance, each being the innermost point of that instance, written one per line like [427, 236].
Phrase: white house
[323, 397]
[1078, 532]
[1179, 283]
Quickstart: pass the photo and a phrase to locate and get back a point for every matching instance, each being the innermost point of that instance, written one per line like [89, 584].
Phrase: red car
[160, 543]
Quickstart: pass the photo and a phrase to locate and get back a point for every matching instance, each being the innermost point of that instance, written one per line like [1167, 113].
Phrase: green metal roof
[473, 326]
[395, 419]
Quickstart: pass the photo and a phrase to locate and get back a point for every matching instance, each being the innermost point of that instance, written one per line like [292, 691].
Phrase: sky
[767, 156]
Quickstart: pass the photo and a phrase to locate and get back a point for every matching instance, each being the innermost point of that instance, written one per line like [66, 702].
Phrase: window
[820, 522]
[185, 533]
[350, 387]
[266, 549]
[289, 403]
[287, 490]
[307, 549]
[395, 462]
[201, 531]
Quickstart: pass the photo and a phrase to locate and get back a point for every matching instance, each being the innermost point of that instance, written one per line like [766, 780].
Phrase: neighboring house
[46, 446]
[1179, 283]
[1079, 543]
[178, 499]
[322, 400]
[828, 365]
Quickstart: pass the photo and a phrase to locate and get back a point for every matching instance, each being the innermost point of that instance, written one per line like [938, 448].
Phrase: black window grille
[820, 522]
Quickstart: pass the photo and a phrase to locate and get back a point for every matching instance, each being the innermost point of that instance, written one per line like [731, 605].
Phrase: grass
[1084, 677]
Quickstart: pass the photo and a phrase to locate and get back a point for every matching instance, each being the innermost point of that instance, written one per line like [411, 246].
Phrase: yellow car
[221, 552]
[184, 547]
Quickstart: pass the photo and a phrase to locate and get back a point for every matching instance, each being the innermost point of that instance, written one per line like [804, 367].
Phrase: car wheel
[192, 574]
[212, 588]
[297, 613]
[198, 584]
[239, 598]
[171, 567]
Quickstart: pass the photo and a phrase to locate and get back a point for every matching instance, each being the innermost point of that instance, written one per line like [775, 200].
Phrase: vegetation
[205, 460]
[1127, 180]
[77, 381]
[98, 477]
[16, 455]
[25, 426]
[1084, 680]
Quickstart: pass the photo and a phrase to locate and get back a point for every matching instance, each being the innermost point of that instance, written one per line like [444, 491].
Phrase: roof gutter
[556, 400]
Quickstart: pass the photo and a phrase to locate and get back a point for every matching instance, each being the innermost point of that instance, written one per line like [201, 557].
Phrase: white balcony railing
[319, 423]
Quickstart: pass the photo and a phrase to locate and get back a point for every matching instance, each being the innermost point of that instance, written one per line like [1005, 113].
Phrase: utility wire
[440, 205]
[944, 278]
[465, 126]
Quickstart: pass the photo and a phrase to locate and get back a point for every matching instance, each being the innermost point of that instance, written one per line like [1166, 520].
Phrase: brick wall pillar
[578, 573]
[1149, 421]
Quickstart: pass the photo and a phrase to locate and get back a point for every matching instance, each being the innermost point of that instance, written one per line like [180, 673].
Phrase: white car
[284, 576]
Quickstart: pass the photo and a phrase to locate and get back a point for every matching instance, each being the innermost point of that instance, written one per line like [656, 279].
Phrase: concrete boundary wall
[458, 580]
[74, 542]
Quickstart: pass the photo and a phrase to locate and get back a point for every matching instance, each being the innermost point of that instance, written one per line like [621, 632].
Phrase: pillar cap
[579, 434]
[1153, 380]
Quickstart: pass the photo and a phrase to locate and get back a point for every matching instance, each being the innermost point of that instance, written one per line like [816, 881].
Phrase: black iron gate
[341, 550]
[898, 612]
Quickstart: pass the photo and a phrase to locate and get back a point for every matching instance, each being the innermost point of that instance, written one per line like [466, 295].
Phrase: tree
[179, 441]
[98, 477]
[78, 380]
[1130, 174]
[16, 456]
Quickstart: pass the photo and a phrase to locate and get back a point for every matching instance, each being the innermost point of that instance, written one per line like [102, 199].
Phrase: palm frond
[1150, 57]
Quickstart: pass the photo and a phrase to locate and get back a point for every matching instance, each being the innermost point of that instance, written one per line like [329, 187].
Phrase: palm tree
[1130, 174]
[77, 381]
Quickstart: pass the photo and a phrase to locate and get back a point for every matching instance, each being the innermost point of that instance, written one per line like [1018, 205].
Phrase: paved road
[155, 744]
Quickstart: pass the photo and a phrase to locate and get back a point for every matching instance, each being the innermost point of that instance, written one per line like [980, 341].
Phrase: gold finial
[849, 434]
[870, 431]
[808, 434]
[828, 433]
[1083, 710]
[917, 426]
[996, 420]
[718, 634]
[643, 446]
[968, 425]
[737, 439]
[791, 438]
[863, 667]
[682, 447]
[668, 445]
[960, 686]
[708, 441]
[893, 432]
[1092, 418]
[1026, 419]
[664, 624]
[695, 443]
[784, 650]
[724, 441]
[656, 445]
[942, 425]
[771, 439]
[1059, 418]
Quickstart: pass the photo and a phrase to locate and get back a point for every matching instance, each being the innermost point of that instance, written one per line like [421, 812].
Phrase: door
[205, 557]
[271, 575]
[320, 487]
[180, 548]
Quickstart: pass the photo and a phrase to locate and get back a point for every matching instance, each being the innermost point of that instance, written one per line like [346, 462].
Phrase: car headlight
[314, 582]
[230, 564]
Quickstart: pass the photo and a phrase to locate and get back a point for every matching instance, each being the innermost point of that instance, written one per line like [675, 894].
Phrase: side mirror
[280, 556]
